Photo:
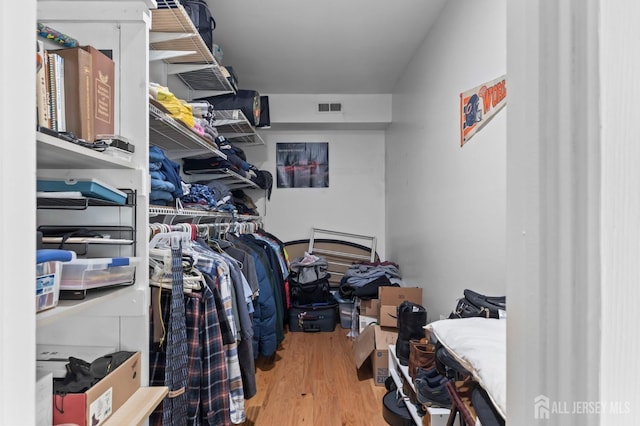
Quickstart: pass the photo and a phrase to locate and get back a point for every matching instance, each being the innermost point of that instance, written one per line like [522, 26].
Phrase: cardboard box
[94, 406]
[103, 91]
[54, 358]
[373, 343]
[370, 308]
[391, 298]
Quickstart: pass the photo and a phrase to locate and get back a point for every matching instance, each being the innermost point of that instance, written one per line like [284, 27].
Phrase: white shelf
[234, 125]
[176, 139]
[73, 307]
[393, 365]
[229, 177]
[198, 69]
[56, 153]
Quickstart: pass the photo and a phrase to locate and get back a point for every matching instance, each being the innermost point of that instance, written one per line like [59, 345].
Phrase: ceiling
[329, 46]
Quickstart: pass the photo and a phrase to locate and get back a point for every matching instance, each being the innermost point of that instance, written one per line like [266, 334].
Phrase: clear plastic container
[345, 308]
[47, 284]
[83, 274]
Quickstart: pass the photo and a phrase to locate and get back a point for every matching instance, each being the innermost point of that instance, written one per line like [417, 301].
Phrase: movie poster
[479, 105]
[302, 165]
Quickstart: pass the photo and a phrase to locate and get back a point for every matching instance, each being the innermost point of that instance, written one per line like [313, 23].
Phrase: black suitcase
[313, 318]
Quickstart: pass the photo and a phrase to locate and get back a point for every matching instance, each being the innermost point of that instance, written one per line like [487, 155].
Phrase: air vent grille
[330, 107]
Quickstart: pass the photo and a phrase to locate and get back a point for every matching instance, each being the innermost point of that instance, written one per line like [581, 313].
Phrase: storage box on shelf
[100, 401]
[47, 285]
[81, 275]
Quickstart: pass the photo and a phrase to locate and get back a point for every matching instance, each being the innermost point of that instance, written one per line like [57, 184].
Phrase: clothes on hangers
[246, 277]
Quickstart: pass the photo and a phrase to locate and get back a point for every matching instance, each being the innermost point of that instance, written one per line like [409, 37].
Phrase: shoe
[424, 373]
[432, 396]
[421, 354]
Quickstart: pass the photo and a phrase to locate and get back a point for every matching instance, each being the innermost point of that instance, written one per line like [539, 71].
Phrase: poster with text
[302, 165]
[479, 105]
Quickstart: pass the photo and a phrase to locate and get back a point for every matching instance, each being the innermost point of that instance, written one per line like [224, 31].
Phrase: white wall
[355, 199]
[361, 109]
[446, 204]
[17, 217]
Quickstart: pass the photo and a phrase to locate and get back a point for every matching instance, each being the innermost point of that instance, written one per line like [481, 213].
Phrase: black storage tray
[313, 318]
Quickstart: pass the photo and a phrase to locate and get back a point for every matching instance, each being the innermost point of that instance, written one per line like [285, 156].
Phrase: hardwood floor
[313, 381]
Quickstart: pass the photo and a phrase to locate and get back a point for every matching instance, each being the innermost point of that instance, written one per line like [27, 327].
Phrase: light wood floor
[313, 381]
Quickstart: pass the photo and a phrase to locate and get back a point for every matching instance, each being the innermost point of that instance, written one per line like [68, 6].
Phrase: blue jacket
[264, 317]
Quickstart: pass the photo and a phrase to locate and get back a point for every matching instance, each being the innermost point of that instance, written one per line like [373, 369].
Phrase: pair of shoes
[422, 373]
[431, 376]
[433, 396]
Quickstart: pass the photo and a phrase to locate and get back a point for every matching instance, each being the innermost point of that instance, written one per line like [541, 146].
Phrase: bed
[479, 345]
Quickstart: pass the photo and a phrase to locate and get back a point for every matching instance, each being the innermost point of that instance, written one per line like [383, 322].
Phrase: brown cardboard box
[370, 308]
[78, 92]
[391, 298]
[103, 91]
[102, 399]
[373, 343]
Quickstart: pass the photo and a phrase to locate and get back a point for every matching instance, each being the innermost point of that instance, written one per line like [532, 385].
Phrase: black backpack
[201, 17]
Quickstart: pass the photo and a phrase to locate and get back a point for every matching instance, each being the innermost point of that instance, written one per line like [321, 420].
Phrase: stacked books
[75, 91]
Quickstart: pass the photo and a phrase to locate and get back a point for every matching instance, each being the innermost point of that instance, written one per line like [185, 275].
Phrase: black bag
[308, 293]
[474, 304]
[200, 15]
[265, 117]
[412, 318]
[247, 101]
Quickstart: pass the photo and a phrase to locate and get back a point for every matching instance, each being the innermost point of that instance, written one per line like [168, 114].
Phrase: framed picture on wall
[302, 164]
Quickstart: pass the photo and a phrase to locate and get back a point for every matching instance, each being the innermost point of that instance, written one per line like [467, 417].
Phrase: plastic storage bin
[83, 274]
[47, 284]
[345, 307]
[87, 187]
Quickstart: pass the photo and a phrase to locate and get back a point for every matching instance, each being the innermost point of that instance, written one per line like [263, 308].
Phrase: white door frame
[553, 210]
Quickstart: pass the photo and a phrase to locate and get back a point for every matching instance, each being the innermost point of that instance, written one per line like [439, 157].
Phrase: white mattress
[480, 346]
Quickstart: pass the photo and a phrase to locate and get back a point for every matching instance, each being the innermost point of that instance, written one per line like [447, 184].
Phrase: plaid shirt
[216, 265]
[208, 382]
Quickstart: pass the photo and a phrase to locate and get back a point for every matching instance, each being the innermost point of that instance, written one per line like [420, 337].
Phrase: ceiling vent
[330, 107]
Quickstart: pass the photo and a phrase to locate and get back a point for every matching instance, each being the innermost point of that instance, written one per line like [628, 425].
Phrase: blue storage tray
[87, 187]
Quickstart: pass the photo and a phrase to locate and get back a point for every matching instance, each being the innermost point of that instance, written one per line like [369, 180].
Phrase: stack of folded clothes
[208, 196]
[166, 184]
[178, 108]
[363, 279]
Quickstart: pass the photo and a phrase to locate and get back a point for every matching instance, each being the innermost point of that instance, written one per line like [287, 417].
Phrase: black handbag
[475, 304]
[309, 293]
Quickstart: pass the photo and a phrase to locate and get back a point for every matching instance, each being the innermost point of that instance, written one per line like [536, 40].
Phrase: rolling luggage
[313, 318]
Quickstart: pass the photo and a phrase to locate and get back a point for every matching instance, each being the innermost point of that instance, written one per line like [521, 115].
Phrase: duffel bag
[247, 101]
[309, 268]
[200, 15]
[475, 304]
[309, 293]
